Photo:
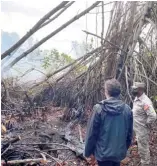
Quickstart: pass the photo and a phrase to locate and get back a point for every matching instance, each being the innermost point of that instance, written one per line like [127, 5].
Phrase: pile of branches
[127, 52]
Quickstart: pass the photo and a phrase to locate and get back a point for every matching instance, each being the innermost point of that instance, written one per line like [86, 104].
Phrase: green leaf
[53, 60]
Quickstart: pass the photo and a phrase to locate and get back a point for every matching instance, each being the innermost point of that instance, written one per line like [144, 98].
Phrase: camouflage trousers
[142, 135]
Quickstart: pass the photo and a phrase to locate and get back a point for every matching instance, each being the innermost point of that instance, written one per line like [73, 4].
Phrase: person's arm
[92, 131]
[130, 129]
[151, 114]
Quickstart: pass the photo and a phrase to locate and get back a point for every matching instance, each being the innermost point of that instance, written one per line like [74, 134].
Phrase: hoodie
[109, 131]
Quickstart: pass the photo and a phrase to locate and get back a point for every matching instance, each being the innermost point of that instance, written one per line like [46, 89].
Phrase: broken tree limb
[144, 74]
[54, 149]
[57, 144]
[6, 150]
[53, 34]
[55, 159]
[102, 33]
[14, 162]
[127, 84]
[52, 19]
[70, 147]
[89, 33]
[80, 133]
[34, 29]
[44, 161]
[16, 139]
[105, 4]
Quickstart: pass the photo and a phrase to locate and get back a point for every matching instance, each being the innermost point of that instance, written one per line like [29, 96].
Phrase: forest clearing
[44, 122]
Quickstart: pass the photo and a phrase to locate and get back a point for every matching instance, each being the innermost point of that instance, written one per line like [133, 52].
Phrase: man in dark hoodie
[110, 129]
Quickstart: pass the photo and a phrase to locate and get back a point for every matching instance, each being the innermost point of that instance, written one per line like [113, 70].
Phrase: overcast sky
[19, 16]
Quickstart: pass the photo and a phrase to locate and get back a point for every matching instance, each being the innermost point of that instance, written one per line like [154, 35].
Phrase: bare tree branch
[52, 19]
[104, 40]
[102, 33]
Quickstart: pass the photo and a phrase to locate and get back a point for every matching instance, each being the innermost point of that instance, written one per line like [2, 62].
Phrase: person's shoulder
[128, 108]
[98, 107]
[146, 100]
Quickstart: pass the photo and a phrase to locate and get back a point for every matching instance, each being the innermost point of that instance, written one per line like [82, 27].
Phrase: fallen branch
[6, 150]
[80, 134]
[52, 19]
[144, 74]
[89, 33]
[57, 144]
[12, 162]
[16, 139]
[56, 160]
[105, 4]
[127, 85]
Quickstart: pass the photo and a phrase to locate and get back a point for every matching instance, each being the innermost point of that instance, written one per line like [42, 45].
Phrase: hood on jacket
[113, 106]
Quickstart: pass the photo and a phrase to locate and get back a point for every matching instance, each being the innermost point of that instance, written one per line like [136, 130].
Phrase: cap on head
[138, 85]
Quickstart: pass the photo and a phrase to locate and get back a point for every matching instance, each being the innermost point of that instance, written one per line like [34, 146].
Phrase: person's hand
[91, 160]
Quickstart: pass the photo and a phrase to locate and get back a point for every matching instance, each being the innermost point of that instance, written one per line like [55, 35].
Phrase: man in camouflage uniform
[144, 115]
